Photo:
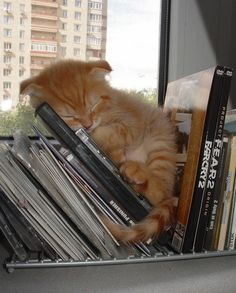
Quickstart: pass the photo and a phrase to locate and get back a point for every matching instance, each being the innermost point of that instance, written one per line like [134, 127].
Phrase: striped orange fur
[136, 135]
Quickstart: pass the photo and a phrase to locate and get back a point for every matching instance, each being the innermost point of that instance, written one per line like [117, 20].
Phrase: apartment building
[35, 33]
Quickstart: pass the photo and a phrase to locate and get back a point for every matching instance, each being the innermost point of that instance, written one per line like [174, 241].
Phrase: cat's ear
[34, 91]
[99, 69]
[25, 83]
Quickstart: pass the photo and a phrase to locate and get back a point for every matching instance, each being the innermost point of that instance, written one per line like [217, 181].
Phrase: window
[22, 7]
[77, 15]
[22, 21]
[63, 51]
[76, 39]
[6, 71]
[7, 6]
[21, 59]
[6, 59]
[94, 28]
[77, 27]
[41, 47]
[21, 72]
[63, 38]
[125, 33]
[95, 5]
[7, 19]
[64, 26]
[76, 52]
[22, 47]
[7, 46]
[22, 34]
[94, 41]
[7, 33]
[6, 97]
[6, 85]
[77, 3]
[64, 13]
[95, 17]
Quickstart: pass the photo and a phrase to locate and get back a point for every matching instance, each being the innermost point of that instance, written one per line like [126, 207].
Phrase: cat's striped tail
[156, 222]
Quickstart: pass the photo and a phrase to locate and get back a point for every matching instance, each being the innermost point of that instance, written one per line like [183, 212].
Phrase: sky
[133, 42]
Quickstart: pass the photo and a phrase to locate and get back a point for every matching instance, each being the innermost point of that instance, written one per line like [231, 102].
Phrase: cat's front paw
[134, 172]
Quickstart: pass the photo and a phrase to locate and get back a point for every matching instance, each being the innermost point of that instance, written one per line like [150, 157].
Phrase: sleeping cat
[135, 134]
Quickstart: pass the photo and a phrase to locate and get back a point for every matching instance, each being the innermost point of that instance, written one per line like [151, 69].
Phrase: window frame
[164, 50]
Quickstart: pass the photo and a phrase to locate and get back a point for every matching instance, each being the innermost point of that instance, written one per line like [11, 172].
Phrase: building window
[95, 5]
[6, 71]
[6, 59]
[6, 85]
[63, 51]
[64, 26]
[7, 46]
[22, 21]
[76, 52]
[6, 97]
[63, 38]
[64, 13]
[95, 17]
[77, 3]
[94, 41]
[22, 47]
[77, 27]
[94, 28]
[7, 19]
[22, 7]
[77, 15]
[40, 47]
[21, 72]
[21, 59]
[77, 39]
[22, 34]
[7, 33]
[7, 6]
[64, 2]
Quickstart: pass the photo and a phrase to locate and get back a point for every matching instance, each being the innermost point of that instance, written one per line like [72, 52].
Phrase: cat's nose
[87, 124]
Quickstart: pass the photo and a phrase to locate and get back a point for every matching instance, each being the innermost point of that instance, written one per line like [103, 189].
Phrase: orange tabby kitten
[135, 134]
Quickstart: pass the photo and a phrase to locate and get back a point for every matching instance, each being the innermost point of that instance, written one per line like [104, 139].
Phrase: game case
[186, 104]
[228, 196]
[24, 230]
[135, 205]
[216, 139]
[216, 200]
[66, 194]
[95, 198]
[204, 159]
[12, 237]
[34, 205]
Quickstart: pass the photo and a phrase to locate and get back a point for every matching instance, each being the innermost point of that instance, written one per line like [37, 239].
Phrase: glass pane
[36, 33]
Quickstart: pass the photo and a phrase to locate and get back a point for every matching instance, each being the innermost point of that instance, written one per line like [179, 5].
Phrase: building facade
[36, 33]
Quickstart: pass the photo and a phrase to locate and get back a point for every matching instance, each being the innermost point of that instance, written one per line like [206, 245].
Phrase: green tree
[21, 117]
[149, 94]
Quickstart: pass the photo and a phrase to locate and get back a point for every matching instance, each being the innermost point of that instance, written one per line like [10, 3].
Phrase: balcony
[44, 28]
[43, 54]
[42, 15]
[43, 49]
[37, 66]
[43, 38]
[45, 3]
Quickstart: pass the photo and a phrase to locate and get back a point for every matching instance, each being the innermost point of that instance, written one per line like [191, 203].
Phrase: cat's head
[78, 91]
